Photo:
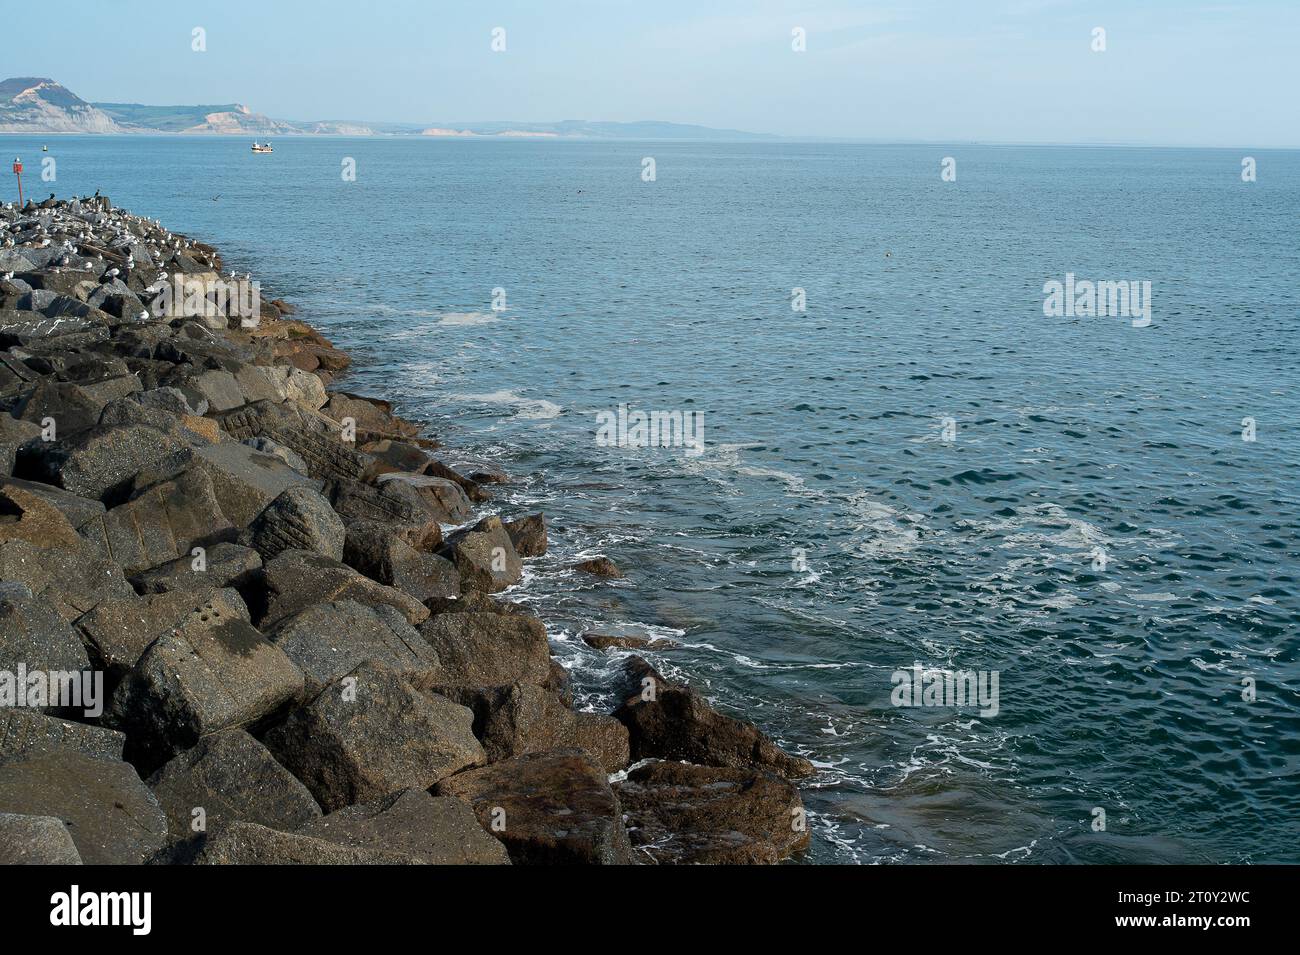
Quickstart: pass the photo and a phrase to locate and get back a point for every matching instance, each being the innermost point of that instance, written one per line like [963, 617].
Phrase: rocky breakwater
[246, 617]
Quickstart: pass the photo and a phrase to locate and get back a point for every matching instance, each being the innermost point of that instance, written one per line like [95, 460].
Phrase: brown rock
[599, 567]
[604, 641]
[678, 813]
[488, 649]
[668, 721]
[604, 739]
[550, 808]
[528, 534]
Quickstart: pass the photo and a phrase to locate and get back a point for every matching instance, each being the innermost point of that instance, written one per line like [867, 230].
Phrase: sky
[1173, 72]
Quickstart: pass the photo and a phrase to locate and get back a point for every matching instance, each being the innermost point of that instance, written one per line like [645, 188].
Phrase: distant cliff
[36, 105]
[226, 118]
[31, 104]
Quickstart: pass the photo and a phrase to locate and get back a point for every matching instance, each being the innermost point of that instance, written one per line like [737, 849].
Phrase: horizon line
[765, 138]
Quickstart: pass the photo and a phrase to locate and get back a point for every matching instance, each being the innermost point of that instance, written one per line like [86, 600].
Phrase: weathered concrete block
[298, 519]
[212, 672]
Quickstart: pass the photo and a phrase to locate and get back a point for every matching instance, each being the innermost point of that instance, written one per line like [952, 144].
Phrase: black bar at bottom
[335, 904]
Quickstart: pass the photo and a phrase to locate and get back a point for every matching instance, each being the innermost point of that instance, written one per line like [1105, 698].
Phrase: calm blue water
[1119, 689]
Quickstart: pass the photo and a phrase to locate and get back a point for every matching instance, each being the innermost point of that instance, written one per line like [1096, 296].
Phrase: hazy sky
[1174, 71]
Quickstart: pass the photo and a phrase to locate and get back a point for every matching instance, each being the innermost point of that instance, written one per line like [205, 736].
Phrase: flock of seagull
[88, 234]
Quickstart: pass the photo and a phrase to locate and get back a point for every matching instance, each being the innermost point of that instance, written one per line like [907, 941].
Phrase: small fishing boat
[262, 147]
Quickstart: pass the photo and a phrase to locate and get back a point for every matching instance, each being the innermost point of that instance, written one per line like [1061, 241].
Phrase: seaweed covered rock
[549, 808]
[668, 721]
[684, 814]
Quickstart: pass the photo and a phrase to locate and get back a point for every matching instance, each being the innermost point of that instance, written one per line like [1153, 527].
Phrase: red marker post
[18, 171]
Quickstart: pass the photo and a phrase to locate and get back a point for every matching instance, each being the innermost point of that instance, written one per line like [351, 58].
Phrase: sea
[912, 465]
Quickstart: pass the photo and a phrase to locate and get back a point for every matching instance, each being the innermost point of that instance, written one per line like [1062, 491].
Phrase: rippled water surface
[1120, 688]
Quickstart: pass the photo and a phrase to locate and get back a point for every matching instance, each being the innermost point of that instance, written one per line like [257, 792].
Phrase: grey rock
[217, 387]
[328, 641]
[438, 830]
[246, 843]
[70, 406]
[232, 778]
[442, 498]
[246, 480]
[113, 817]
[314, 437]
[287, 455]
[371, 734]
[436, 468]
[484, 556]
[391, 502]
[296, 579]
[378, 551]
[165, 521]
[96, 462]
[172, 400]
[13, 433]
[25, 733]
[117, 632]
[33, 636]
[36, 840]
[224, 565]
[213, 671]
[298, 519]
[21, 327]
[69, 582]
